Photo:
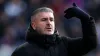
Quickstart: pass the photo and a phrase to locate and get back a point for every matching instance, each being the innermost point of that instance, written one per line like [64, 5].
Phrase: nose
[48, 22]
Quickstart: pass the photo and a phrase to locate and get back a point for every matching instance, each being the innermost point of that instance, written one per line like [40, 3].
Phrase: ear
[33, 25]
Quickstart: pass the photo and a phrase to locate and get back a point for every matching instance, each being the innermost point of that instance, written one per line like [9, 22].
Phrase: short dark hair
[41, 9]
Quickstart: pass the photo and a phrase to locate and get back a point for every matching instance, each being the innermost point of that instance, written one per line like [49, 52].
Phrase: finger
[74, 4]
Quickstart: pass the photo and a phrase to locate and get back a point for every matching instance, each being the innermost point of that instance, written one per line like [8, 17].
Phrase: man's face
[43, 23]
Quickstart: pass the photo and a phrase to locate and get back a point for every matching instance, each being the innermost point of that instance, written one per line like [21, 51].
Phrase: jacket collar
[33, 36]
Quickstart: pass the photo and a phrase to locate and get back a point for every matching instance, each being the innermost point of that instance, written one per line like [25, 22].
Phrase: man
[43, 39]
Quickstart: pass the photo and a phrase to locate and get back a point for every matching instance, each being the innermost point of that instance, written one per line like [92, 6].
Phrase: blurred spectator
[98, 35]
[20, 28]
[7, 42]
[6, 50]
[14, 8]
[2, 2]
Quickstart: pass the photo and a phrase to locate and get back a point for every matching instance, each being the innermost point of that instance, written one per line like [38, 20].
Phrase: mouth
[49, 29]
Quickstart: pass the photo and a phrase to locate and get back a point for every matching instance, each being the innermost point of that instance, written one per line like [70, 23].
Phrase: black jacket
[55, 45]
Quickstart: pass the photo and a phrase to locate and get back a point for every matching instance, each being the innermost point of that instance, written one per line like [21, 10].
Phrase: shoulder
[20, 49]
[65, 38]
[70, 40]
[22, 46]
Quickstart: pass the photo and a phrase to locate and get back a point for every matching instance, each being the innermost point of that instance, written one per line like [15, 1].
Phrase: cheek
[40, 28]
[41, 25]
[53, 24]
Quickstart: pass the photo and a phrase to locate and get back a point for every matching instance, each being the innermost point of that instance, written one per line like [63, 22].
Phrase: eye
[43, 19]
[51, 19]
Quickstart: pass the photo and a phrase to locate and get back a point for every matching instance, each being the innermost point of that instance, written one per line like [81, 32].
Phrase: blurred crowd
[15, 19]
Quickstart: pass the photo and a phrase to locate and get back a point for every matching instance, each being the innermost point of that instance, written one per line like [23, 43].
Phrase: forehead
[41, 15]
[44, 14]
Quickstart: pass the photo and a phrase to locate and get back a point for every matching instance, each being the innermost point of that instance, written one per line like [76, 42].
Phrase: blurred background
[15, 19]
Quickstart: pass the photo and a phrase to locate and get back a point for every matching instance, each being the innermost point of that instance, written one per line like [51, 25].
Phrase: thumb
[74, 4]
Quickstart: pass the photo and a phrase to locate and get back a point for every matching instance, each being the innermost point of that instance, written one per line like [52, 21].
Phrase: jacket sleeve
[81, 46]
[89, 40]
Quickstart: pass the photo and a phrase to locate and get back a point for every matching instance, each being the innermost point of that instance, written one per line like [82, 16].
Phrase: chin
[48, 33]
